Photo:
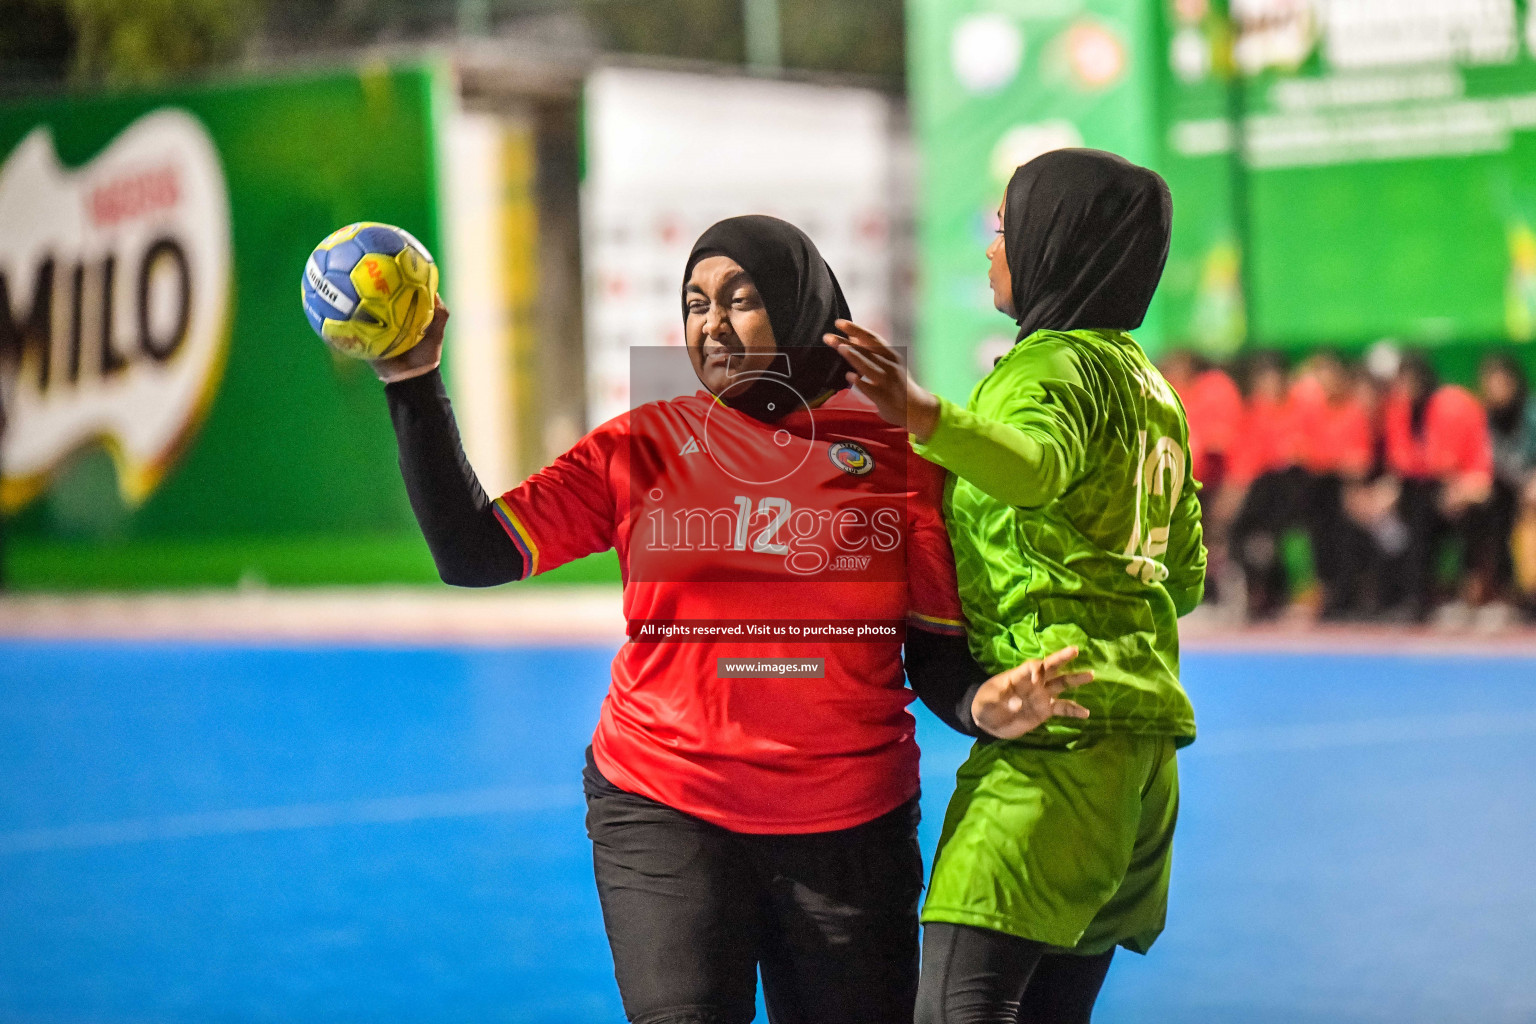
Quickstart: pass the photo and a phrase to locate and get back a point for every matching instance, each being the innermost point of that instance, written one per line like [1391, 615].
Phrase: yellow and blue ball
[368, 290]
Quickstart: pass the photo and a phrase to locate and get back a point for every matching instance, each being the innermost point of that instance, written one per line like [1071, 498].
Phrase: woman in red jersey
[1267, 483]
[1437, 446]
[1335, 444]
[752, 796]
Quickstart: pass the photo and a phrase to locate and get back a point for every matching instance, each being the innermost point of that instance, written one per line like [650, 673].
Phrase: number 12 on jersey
[1160, 475]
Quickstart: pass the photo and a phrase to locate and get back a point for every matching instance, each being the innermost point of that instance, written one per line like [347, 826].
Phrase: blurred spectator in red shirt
[1336, 446]
[1213, 406]
[1438, 448]
[1266, 483]
[1334, 434]
[1503, 388]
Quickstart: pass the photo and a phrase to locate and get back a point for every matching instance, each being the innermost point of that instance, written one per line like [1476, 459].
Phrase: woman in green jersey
[1074, 522]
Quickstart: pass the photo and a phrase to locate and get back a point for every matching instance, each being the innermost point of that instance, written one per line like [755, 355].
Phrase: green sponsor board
[1390, 162]
[995, 83]
[173, 420]
[1202, 296]
[1341, 172]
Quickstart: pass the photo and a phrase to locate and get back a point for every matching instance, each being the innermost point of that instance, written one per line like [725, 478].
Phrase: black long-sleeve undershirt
[465, 537]
[945, 677]
[471, 549]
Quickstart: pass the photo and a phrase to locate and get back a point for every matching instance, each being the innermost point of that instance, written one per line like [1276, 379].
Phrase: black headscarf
[1086, 235]
[802, 299]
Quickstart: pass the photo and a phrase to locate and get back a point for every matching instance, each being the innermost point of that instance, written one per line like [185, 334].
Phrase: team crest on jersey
[850, 457]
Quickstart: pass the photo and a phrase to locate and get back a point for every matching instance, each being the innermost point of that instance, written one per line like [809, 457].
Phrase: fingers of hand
[857, 333]
[1068, 709]
[872, 371]
[867, 342]
[1020, 677]
[1066, 681]
[1059, 658]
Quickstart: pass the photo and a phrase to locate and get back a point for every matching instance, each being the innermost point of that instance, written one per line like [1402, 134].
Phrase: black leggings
[979, 976]
[694, 911]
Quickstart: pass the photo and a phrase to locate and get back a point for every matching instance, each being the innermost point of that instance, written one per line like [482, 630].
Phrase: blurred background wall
[1344, 171]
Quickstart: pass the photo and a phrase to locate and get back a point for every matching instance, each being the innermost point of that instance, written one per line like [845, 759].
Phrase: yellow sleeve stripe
[520, 536]
[935, 624]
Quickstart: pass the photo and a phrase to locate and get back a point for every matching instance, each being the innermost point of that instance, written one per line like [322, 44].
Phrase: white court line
[384, 810]
[522, 799]
[1371, 732]
[1267, 739]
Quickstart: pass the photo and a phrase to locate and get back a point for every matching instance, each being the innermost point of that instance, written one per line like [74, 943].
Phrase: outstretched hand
[422, 357]
[882, 377]
[1019, 700]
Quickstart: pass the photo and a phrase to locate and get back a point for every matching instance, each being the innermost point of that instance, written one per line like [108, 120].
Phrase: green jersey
[1074, 519]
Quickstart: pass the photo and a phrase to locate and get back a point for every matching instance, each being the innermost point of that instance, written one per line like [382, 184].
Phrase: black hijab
[802, 299]
[1086, 236]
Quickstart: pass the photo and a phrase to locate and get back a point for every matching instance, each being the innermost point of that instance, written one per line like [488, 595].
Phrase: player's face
[997, 270]
[727, 330]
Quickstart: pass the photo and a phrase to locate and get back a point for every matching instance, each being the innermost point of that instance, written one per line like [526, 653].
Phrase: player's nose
[717, 326]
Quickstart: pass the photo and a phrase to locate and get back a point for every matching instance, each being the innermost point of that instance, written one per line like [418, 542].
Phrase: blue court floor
[247, 834]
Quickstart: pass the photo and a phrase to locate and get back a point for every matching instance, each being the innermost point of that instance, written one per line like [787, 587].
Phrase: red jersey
[1214, 407]
[720, 522]
[1266, 443]
[1454, 440]
[1330, 437]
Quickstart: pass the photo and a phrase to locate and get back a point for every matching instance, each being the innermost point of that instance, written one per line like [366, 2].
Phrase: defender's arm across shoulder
[1026, 440]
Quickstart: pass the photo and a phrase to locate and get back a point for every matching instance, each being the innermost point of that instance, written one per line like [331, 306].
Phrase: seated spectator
[1213, 406]
[1438, 447]
[1335, 445]
[1266, 484]
[1504, 391]
[1371, 502]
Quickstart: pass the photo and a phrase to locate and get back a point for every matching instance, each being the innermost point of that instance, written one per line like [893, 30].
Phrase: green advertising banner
[1390, 152]
[1202, 297]
[1342, 172]
[994, 83]
[171, 419]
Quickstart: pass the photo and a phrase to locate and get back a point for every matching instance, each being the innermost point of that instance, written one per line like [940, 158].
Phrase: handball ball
[368, 290]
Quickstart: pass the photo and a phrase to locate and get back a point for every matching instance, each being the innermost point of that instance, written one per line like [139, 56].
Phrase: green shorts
[1067, 845]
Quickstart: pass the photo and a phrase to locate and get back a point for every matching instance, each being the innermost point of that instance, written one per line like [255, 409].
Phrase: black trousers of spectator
[1271, 506]
[1419, 508]
[986, 977]
[1342, 550]
[693, 911]
[1488, 530]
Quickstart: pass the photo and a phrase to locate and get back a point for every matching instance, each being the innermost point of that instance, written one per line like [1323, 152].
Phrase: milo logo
[114, 302]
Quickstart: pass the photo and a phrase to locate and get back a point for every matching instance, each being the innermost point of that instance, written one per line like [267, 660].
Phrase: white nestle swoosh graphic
[383, 810]
[142, 283]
